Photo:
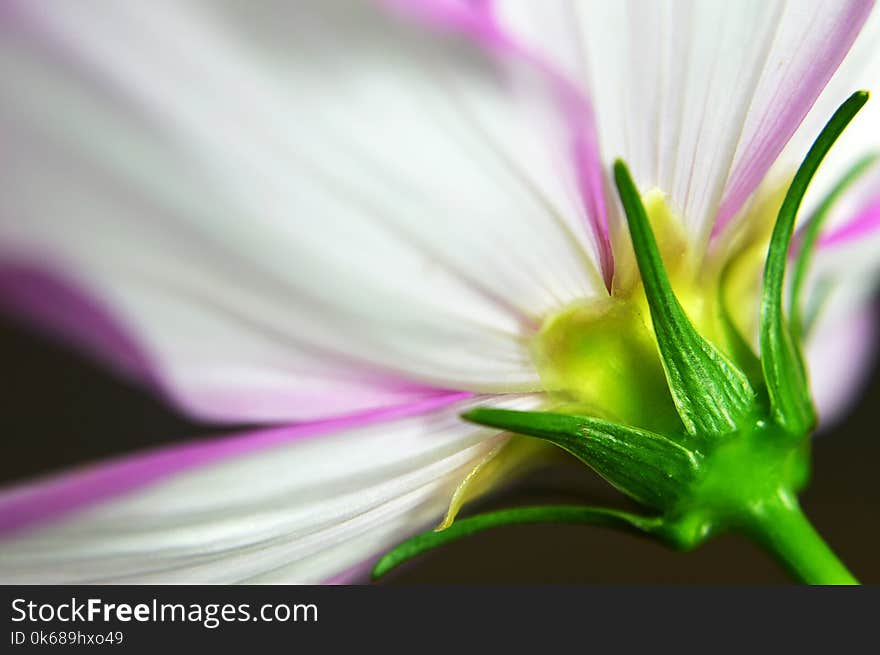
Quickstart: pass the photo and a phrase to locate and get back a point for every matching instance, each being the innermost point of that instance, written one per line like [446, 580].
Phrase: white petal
[698, 97]
[283, 204]
[297, 512]
[840, 356]
[860, 70]
[841, 286]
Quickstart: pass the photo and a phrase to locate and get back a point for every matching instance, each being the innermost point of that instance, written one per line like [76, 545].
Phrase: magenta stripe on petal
[864, 224]
[475, 19]
[588, 165]
[50, 497]
[580, 117]
[786, 115]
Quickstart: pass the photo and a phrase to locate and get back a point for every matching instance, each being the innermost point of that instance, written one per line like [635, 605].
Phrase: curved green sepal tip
[650, 468]
[712, 396]
[782, 363]
[427, 541]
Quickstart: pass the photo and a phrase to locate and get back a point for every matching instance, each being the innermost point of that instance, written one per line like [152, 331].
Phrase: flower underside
[601, 357]
[658, 387]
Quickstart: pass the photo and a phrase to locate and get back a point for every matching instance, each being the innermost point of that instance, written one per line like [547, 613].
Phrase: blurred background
[59, 409]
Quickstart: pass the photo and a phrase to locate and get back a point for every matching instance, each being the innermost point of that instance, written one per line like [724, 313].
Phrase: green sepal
[712, 396]
[810, 236]
[518, 516]
[821, 292]
[646, 466]
[781, 359]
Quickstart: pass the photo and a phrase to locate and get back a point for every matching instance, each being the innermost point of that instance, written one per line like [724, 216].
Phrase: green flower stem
[784, 530]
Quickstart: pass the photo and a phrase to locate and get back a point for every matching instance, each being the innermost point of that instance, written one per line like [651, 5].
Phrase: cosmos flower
[350, 222]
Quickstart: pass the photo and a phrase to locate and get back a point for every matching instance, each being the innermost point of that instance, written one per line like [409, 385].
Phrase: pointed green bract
[811, 236]
[782, 363]
[519, 516]
[646, 466]
[712, 396]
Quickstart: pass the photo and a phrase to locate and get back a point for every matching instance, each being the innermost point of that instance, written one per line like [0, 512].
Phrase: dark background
[58, 409]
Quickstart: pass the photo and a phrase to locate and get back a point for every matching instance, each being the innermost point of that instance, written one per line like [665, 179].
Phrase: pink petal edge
[863, 224]
[50, 497]
[764, 148]
[33, 293]
[58, 305]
